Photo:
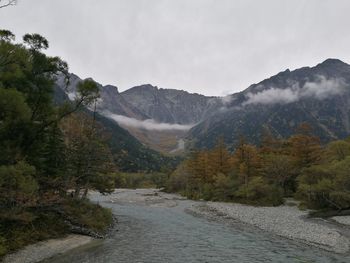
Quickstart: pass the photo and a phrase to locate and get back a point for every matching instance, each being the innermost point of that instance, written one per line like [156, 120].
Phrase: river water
[157, 233]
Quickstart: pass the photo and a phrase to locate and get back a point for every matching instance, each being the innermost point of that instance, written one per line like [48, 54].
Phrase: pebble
[285, 221]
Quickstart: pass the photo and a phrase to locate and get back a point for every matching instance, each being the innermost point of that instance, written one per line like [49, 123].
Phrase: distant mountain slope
[129, 154]
[111, 100]
[318, 95]
[159, 118]
[171, 106]
[162, 118]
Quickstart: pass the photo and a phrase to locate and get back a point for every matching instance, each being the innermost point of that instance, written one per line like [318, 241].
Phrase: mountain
[171, 106]
[129, 154]
[159, 118]
[317, 95]
[163, 119]
[111, 100]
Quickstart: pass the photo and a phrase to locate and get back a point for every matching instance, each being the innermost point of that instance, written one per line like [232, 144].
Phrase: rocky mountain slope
[317, 95]
[159, 118]
[129, 154]
[172, 106]
[163, 118]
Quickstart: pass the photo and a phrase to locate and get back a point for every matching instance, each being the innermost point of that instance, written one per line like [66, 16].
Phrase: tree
[326, 185]
[14, 120]
[246, 162]
[34, 172]
[35, 42]
[279, 170]
[88, 156]
[337, 150]
[304, 147]
[17, 185]
[220, 158]
[53, 163]
[6, 35]
[224, 187]
[269, 143]
[258, 191]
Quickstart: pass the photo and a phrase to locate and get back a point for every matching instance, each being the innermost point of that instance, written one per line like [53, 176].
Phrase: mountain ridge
[319, 95]
[308, 94]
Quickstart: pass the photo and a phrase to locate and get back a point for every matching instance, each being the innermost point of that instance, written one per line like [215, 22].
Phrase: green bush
[326, 186]
[27, 227]
[259, 192]
[87, 214]
[3, 249]
[140, 180]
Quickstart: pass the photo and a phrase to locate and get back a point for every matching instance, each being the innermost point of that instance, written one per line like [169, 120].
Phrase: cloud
[227, 99]
[273, 96]
[324, 88]
[320, 89]
[149, 124]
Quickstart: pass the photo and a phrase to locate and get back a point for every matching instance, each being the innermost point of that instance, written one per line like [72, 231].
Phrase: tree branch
[9, 2]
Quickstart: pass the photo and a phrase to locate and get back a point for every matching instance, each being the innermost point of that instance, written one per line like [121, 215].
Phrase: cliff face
[171, 106]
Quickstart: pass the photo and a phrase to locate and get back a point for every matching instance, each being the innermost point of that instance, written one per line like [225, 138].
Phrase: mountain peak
[333, 62]
[110, 88]
[146, 87]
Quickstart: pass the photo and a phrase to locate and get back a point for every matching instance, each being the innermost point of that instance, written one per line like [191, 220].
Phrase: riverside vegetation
[50, 155]
[297, 167]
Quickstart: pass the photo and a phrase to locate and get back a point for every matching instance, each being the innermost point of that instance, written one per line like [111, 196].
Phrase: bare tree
[7, 3]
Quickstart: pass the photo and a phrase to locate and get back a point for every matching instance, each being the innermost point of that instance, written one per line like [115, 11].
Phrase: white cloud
[272, 96]
[320, 89]
[227, 99]
[323, 88]
[149, 124]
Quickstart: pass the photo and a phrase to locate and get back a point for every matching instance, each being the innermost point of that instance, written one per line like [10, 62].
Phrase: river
[153, 230]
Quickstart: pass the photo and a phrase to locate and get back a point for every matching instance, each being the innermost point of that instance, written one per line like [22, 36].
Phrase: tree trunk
[77, 192]
[85, 193]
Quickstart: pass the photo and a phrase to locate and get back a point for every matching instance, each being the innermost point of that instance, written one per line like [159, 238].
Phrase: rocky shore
[285, 221]
[46, 249]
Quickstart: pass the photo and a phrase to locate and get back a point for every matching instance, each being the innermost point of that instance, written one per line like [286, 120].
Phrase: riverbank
[285, 221]
[46, 249]
[77, 220]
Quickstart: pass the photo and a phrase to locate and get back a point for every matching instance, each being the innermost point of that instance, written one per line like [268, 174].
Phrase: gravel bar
[344, 220]
[46, 249]
[284, 221]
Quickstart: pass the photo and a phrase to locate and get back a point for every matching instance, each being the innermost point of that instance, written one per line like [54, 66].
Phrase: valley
[160, 118]
[176, 131]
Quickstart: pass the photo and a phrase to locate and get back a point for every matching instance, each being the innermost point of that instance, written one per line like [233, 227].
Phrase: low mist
[319, 89]
[148, 124]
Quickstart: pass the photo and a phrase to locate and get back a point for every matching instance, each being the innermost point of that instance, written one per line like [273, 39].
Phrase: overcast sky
[213, 47]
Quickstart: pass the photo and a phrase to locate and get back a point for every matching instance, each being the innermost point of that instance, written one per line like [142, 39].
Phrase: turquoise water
[159, 234]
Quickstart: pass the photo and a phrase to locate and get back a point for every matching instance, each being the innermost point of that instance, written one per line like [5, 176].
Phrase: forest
[298, 167]
[50, 155]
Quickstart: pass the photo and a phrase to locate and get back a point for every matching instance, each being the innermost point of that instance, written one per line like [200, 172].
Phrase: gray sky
[213, 47]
